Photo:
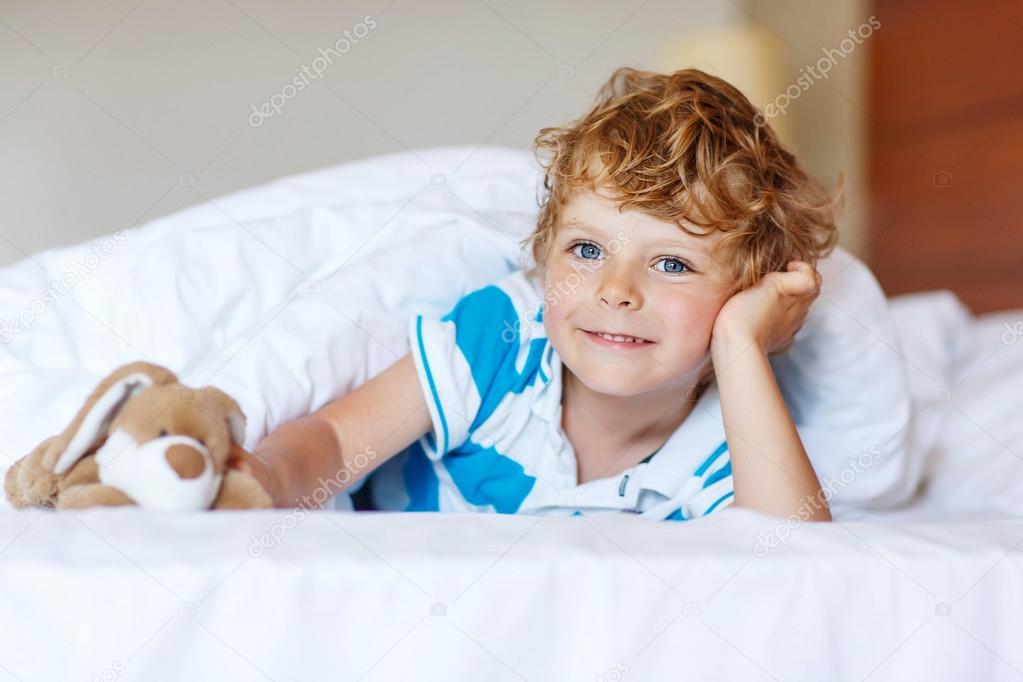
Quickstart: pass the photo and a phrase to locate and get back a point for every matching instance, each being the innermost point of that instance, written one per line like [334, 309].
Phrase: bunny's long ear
[235, 416]
[92, 422]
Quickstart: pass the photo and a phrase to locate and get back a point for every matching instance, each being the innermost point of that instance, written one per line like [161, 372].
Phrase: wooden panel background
[946, 149]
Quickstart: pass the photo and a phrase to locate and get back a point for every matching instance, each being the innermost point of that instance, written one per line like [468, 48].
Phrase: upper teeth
[615, 337]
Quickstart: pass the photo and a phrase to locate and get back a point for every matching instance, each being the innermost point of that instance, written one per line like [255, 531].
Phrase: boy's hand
[769, 313]
[241, 459]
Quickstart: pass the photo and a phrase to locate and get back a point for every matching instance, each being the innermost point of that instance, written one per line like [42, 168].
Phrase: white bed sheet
[383, 596]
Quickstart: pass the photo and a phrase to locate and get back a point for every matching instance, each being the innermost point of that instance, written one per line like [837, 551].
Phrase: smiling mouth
[619, 338]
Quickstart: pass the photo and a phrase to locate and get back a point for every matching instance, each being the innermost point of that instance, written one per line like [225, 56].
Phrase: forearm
[300, 457]
[770, 470]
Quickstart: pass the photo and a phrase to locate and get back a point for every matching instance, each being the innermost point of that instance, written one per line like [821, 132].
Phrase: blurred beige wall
[116, 113]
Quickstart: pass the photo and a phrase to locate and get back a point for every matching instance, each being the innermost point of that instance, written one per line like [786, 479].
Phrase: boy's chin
[626, 379]
[609, 379]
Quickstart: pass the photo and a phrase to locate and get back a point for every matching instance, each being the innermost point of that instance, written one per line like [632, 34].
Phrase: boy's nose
[617, 290]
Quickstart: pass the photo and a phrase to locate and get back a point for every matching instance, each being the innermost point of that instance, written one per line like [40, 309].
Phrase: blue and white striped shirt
[493, 384]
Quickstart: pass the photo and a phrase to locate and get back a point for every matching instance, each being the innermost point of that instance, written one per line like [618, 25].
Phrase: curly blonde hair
[689, 145]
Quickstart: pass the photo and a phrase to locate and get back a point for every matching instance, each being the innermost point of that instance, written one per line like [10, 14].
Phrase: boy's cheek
[692, 310]
[563, 293]
[692, 321]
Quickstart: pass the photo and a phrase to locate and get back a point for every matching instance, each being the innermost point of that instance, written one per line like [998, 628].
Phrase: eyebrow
[586, 227]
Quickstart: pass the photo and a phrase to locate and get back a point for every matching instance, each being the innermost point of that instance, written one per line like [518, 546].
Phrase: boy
[674, 252]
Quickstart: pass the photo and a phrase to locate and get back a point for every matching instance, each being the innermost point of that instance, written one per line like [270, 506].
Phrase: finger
[818, 278]
[804, 270]
[798, 266]
[797, 283]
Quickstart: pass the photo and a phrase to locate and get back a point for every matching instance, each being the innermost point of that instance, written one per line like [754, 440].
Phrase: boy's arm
[343, 441]
[770, 469]
[865, 445]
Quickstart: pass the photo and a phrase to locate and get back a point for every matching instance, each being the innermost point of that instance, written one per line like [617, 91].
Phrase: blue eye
[588, 251]
[676, 266]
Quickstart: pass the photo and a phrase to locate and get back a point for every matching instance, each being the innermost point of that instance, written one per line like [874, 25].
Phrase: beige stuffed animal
[141, 438]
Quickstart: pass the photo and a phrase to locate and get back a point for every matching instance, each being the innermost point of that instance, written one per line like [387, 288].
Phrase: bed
[930, 589]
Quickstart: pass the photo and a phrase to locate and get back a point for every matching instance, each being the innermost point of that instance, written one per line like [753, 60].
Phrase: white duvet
[290, 294]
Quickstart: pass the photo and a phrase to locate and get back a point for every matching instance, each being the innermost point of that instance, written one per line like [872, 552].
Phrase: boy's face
[626, 273]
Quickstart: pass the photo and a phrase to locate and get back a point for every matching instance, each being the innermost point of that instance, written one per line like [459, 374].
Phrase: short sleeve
[466, 364]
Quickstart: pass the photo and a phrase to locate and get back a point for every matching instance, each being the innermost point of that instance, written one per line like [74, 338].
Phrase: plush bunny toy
[141, 438]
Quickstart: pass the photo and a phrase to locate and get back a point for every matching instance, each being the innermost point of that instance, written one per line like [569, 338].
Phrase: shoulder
[514, 293]
[489, 345]
[496, 332]
[503, 315]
